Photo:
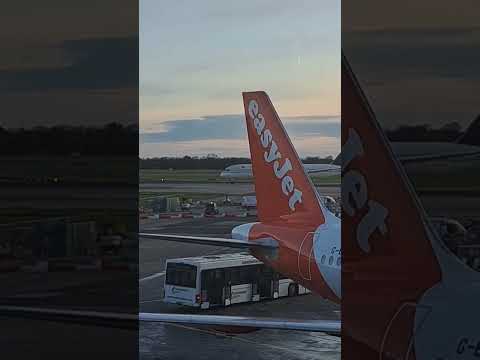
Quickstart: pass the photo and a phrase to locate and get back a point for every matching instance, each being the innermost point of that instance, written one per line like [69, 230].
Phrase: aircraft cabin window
[330, 260]
[323, 259]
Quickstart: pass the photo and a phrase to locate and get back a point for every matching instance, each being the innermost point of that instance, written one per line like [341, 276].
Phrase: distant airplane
[466, 145]
[407, 152]
[244, 171]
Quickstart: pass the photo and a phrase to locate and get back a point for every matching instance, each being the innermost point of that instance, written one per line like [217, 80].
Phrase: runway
[217, 188]
[160, 341]
[61, 197]
[448, 204]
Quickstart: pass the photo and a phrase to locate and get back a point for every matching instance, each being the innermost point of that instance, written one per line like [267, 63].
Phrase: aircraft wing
[327, 326]
[86, 317]
[324, 171]
[131, 320]
[267, 243]
[410, 152]
[430, 157]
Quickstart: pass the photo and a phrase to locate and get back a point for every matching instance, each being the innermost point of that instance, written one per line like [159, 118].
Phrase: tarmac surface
[218, 188]
[159, 341]
[162, 341]
[168, 341]
[460, 207]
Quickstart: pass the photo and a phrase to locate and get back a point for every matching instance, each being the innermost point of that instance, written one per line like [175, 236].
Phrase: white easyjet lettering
[280, 172]
[266, 138]
[296, 197]
[354, 191]
[287, 185]
[355, 195]
[259, 123]
[373, 220]
[274, 155]
[352, 148]
[253, 109]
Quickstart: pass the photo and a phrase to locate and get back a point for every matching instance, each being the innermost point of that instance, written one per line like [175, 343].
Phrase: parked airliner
[244, 171]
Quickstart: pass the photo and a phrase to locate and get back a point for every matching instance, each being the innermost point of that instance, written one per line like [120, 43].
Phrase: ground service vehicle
[211, 208]
[249, 202]
[223, 280]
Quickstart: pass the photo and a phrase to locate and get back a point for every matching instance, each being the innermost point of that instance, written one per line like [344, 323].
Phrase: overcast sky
[65, 64]
[418, 61]
[196, 58]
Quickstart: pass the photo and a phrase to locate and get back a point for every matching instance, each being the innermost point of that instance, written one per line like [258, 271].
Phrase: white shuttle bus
[223, 280]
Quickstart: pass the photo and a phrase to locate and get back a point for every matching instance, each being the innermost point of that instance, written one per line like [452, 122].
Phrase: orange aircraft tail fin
[390, 253]
[283, 189]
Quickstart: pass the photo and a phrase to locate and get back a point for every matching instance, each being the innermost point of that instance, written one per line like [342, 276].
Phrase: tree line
[449, 132]
[111, 139]
[211, 163]
[118, 139]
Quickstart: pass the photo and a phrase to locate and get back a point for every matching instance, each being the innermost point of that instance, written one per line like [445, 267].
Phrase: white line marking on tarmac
[153, 276]
[150, 301]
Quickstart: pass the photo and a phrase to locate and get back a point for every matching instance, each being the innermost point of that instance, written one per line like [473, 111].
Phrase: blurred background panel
[69, 178]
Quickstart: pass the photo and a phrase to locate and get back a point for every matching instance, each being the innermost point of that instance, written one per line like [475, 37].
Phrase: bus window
[267, 272]
[212, 277]
[282, 277]
[213, 283]
[236, 276]
[242, 274]
[181, 275]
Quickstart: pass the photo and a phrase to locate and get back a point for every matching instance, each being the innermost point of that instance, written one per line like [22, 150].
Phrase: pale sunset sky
[196, 58]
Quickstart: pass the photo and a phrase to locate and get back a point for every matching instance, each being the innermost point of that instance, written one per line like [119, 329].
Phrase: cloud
[408, 14]
[416, 53]
[233, 127]
[226, 136]
[418, 75]
[108, 63]
[201, 64]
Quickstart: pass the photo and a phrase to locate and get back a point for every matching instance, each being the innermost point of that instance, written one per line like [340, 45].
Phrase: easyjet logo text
[273, 155]
[355, 195]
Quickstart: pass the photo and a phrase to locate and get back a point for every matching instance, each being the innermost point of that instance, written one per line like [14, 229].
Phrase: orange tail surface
[388, 257]
[283, 190]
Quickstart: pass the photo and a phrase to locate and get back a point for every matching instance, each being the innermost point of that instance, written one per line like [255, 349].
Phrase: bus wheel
[292, 290]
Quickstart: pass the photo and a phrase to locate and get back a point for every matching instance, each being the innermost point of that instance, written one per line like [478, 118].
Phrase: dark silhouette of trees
[191, 163]
[211, 163]
[112, 139]
[446, 133]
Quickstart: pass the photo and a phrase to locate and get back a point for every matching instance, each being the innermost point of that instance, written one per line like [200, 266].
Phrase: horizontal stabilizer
[432, 157]
[232, 243]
